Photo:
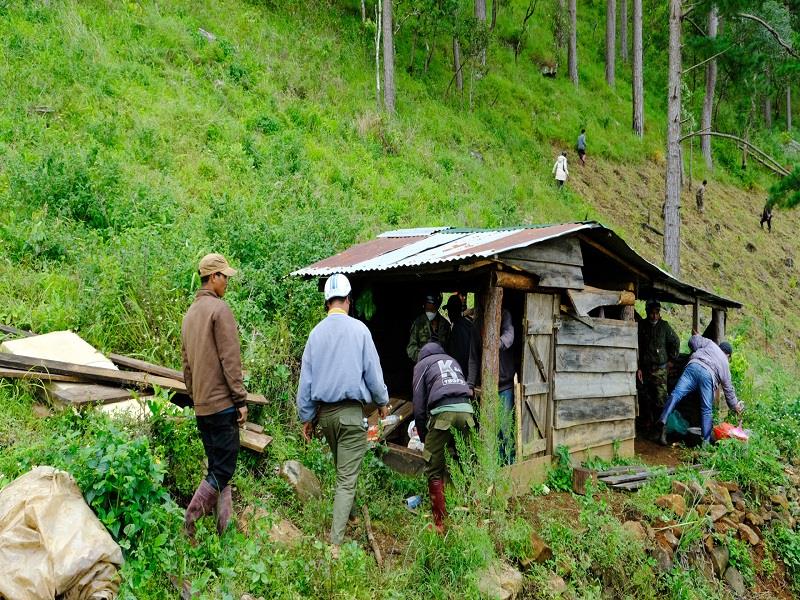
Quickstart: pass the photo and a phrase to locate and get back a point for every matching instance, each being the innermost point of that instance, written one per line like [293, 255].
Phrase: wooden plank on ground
[253, 440]
[403, 460]
[569, 413]
[35, 375]
[594, 434]
[605, 332]
[14, 331]
[134, 364]
[595, 359]
[570, 386]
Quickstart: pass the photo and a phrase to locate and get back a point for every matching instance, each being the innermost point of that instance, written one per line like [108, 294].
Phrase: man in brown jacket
[212, 370]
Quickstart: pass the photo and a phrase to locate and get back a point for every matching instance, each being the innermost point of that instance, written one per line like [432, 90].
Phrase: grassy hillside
[132, 143]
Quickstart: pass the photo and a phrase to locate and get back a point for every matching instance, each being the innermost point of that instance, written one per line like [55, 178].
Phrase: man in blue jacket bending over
[708, 367]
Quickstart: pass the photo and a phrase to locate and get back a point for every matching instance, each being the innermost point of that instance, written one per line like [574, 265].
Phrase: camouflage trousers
[653, 394]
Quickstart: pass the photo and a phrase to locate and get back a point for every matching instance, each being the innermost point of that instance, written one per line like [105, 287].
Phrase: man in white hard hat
[212, 370]
[339, 375]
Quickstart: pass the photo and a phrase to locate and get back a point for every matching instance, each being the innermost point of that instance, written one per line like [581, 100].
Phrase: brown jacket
[212, 359]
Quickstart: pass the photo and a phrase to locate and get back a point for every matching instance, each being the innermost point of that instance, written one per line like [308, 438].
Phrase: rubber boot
[203, 502]
[224, 509]
[436, 491]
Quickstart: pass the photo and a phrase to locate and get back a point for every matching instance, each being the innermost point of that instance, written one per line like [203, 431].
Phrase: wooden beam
[515, 281]
[696, 315]
[14, 331]
[252, 440]
[29, 375]
[611, 255]
[589, 298]
[403, 460]
[718, 318]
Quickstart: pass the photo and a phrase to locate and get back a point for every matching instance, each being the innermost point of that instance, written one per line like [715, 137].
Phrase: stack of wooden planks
[625, 478]
[128, 378]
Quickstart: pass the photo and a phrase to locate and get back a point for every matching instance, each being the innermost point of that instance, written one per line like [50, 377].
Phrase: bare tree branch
[774, 33]
[709, 59]
[775, 166]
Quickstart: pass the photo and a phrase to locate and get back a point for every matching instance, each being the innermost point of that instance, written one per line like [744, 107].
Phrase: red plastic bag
[726, 430]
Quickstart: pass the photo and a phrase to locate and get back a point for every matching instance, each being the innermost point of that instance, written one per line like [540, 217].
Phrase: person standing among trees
[212, 370]
[700, 196]
[658, 347]
[708, 368]
[560, 169]
[441, 407]
[339, 374]
[581, 147]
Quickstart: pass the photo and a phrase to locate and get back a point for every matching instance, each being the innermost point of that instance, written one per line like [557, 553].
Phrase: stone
[699, 562]
[748, 535]
[736, 516]
[731, 486]
[636, 530]
[724, 525]
[663, 558]
[739, 505]
[670, 538]
[285, 532]
[708, 542]
[556, 584]
[750, 247]
[717, 511]
[672, 502]
[540, 553]
[780, 500]
[719, 494]
[500, 580]
[678, 487]
[697, 490]
[735, 581]
[40, 411]
[207, 34]
[719, 559]
[737, 496]
[305, 483]
[754, 519]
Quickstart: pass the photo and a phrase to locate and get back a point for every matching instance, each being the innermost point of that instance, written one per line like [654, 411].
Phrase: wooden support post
[718, 319]
[490, 351]
[696, 315]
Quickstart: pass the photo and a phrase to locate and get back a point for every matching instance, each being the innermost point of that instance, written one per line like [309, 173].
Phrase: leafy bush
[786, 545]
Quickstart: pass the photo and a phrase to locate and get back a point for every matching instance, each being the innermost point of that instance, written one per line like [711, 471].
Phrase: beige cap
[215, 263]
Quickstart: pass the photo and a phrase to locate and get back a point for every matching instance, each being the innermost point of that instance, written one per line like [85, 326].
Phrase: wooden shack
[570, 289]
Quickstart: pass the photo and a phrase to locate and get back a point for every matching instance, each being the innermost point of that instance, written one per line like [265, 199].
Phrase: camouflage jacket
[657, 344]
[421, 332]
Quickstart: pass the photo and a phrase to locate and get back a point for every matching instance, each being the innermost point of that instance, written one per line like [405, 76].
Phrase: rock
[719, 495]
[724, 525]
[780, 500]
[736, 496]
[285, 532]
[672, 502]
[731, 486]
[663, 557]
[717, 511]
[500, 580]
[735, 580]
[540, 553]
[40, 411]
[556, 584]
[739, 505]
[719, 559]
[750, 247]
[206, 34]
[754, 519]
[305, 483]
[670, 538]
[678, 487]
[699, 562]
[736, 516]
[748, 535]
[635, 529]
[708, 542]
[697, 490]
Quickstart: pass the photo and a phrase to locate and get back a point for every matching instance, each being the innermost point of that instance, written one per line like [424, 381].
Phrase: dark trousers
[220, 436]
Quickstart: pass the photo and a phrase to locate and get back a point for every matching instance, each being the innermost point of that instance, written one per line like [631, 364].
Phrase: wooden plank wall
[595, 383]
[558, 263]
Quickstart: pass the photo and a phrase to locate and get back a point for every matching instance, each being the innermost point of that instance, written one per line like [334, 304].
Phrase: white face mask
[431, 315]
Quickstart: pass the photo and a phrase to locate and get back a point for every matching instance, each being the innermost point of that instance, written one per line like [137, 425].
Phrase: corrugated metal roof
[443, 245]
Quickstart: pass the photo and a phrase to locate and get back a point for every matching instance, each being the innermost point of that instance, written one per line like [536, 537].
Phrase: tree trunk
[638, 79]
[672, 200]
[572, 51]
[711, 84]
[378, 24]
[611, 40]
[494, 15]
[788, 108]
[768, 111]
[363, 11]
[388, 58]
[457, 65]
[624, 53]
[480, 15]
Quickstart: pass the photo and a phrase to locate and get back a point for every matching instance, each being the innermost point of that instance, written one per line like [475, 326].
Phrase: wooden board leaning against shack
[76, 374]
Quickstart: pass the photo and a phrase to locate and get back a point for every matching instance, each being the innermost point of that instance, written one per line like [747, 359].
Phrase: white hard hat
[337, 286]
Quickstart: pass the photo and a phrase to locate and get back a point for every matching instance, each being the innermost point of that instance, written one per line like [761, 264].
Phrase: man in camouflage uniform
[658, 346]
[427, 325]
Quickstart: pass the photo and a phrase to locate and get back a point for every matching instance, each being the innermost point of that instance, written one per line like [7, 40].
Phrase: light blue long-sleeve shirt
[340, 362]
[706, 353]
